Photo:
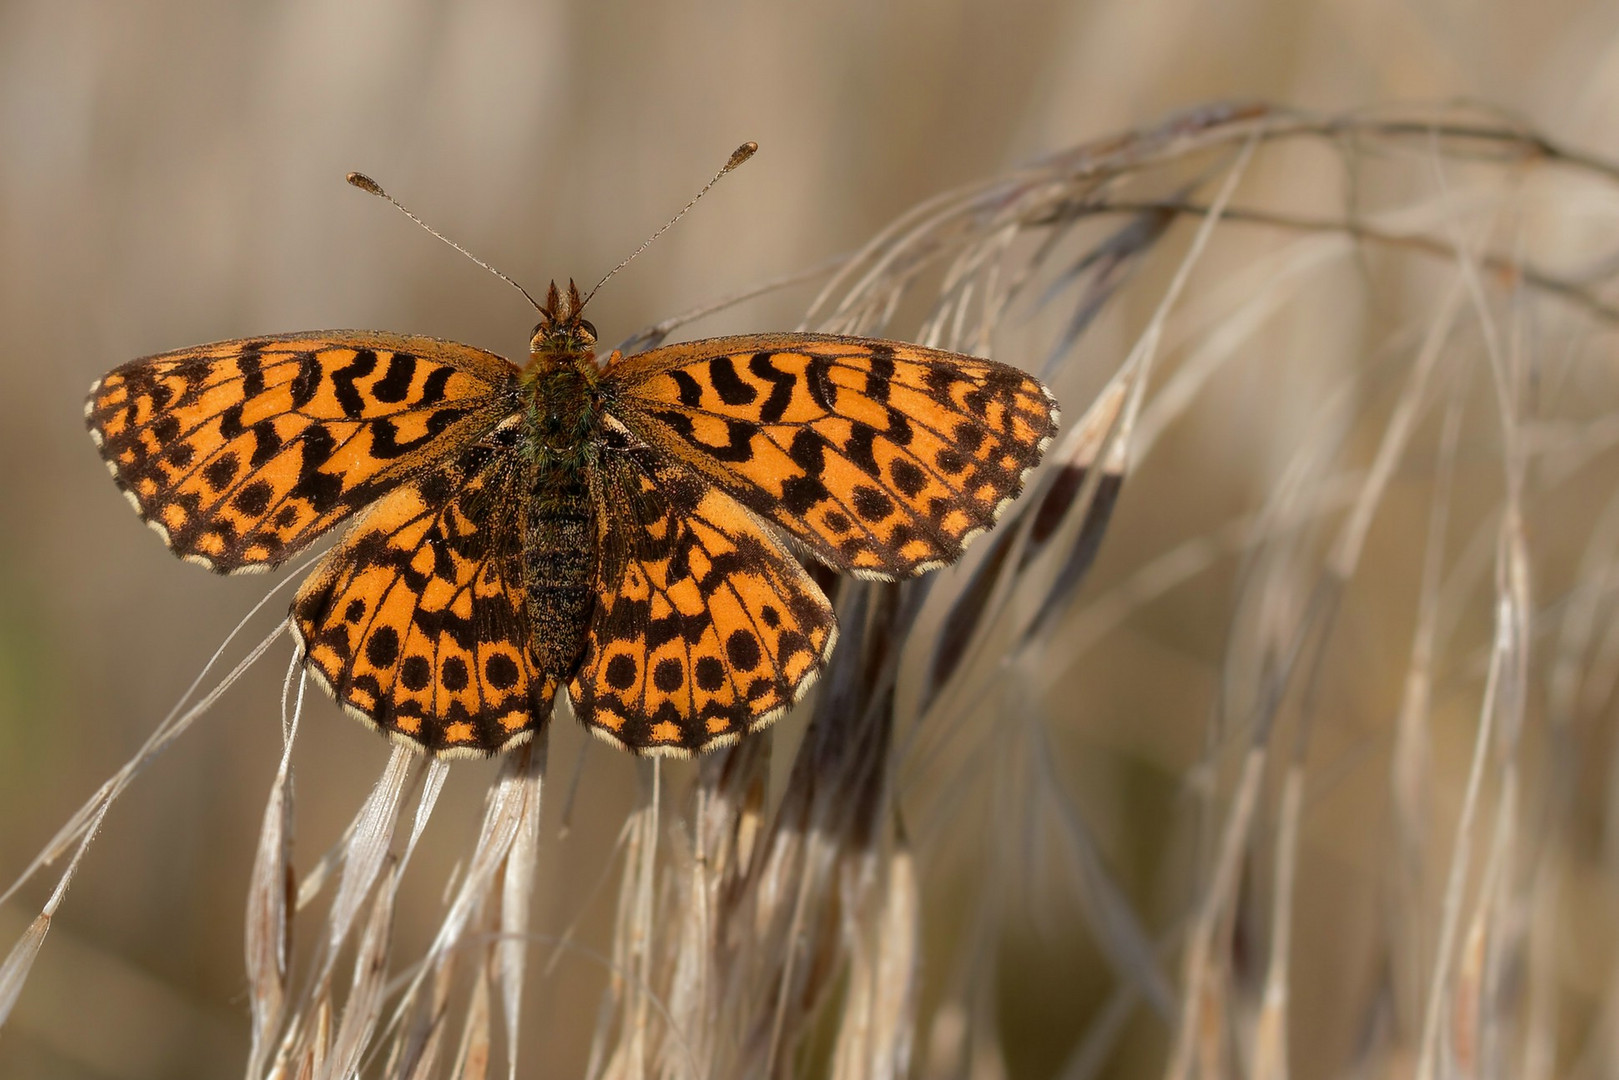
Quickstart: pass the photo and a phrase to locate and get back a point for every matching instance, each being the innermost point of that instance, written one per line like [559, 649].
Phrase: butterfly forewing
[704, 626]
[884, 459]
[242, 452]
[417, 621]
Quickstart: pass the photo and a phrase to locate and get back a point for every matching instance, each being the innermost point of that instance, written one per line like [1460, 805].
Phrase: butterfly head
[562, 331]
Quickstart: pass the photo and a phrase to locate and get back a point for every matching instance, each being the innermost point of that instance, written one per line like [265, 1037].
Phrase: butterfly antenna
[371, 187]
[738, 156]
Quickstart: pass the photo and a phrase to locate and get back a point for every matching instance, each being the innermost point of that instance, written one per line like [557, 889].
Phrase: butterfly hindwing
[242, 452]
[884, 459]
[704, 627]
[417, 620]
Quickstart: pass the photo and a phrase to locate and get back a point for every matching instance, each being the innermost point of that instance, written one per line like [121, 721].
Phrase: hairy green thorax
[559, 384]
[560, 409]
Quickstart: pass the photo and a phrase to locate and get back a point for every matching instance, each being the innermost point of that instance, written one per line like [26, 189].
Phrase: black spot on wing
[730, 387]
[454, 673]
[781, 387]
[879, 379]
[669, 675]
[871, 504]
[710, 673]
[266, 443]
[416, 673]
[382, 648]
[808, 451]
[907, 476]
[742, 648]
[501, 671]
[343, 379]
[800, 493]
[691, 391]
[306, 384]
[230, 421]
[166, 429]
[251, 364]
[254, 498]
[221, 471]
[434, 386]
[394, 386]
[621, 672]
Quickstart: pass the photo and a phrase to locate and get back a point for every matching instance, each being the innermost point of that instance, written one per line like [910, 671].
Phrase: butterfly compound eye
[589, 329]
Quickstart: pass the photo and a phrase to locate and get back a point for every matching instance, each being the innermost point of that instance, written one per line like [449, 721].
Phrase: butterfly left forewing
[704, 627]
[884, 459]
[242, 452]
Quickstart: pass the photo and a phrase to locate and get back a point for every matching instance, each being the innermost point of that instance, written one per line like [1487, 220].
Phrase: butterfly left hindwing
[417, 620]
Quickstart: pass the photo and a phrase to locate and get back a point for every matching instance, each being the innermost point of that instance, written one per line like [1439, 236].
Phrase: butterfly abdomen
[559, 566]
[559, 530]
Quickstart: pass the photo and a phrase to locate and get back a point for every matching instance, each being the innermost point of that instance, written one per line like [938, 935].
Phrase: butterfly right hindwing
[705, 627]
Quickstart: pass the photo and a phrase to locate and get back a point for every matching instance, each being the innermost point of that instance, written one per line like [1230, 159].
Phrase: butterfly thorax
[560, 406]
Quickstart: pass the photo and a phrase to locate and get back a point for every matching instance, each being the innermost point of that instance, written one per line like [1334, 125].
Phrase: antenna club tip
[366, 184]
[741, 154]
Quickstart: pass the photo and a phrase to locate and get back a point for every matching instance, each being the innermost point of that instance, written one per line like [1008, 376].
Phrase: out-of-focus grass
[172, 175]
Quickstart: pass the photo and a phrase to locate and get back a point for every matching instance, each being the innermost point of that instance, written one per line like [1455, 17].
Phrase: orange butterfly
[613, 527]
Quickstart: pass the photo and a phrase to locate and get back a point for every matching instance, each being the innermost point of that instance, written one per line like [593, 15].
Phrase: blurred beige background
[171, 173]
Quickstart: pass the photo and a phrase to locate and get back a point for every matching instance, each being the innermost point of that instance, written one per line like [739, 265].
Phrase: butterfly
[623, 528]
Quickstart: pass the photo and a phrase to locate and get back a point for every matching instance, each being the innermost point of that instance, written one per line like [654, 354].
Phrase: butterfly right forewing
[883, 458]
[243, 452]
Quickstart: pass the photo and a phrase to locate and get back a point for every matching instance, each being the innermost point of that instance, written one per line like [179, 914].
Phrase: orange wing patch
[705, 628]
[885, 459]
[239, 454]
[417, 621]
